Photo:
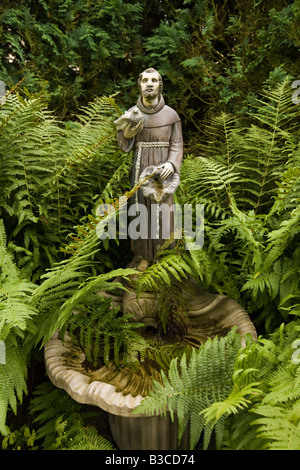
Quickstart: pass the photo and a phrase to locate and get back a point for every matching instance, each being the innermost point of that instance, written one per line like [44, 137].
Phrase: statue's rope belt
[141, 146]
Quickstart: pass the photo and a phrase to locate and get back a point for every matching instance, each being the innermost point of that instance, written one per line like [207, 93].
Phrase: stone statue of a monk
[156, 140]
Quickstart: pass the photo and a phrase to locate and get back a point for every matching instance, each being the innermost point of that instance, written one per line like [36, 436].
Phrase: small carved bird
[132, 116]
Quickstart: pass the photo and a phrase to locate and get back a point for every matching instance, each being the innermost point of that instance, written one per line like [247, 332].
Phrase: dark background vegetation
[213, 55]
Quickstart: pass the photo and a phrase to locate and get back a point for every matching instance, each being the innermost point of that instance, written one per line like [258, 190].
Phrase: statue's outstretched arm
[126, 137]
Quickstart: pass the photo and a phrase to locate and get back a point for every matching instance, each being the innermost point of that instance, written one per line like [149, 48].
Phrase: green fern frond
[262, 281]
[288, 185]
[104, 335]
[191, 386]
[239, 398]
[241, 433]
[160, 272]
[245, 162]
[12, 380]
[47, 173]
[62, 422]
[268, 143]
[284, 385]
[88, 439]
[280, 426]
[163, 354]
[16, 317]
[201, 265]
[219, 139]
[92, 143]
[91, 286]
[205, 176]
[15, 309]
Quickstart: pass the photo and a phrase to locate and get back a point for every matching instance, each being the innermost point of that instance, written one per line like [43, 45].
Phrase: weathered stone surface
[64, 365]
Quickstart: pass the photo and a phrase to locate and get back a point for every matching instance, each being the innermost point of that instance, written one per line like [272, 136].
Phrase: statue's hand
[132, 130]
[167, 170]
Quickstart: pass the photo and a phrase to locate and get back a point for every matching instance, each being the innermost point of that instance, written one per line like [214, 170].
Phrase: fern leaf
[279, 427]
[160, 272]
[61, 423]
[12, 380]
[191, 387]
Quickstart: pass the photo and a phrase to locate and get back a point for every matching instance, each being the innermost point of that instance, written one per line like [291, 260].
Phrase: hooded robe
[161, 124]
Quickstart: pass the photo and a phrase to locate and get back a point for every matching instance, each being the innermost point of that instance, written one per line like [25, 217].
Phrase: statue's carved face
[150, 85]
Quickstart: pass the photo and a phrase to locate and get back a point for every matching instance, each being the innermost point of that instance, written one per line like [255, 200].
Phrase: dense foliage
[70, 69]
[214, 55]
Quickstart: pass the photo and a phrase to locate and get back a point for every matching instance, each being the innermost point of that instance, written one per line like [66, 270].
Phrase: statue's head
[150, 83]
